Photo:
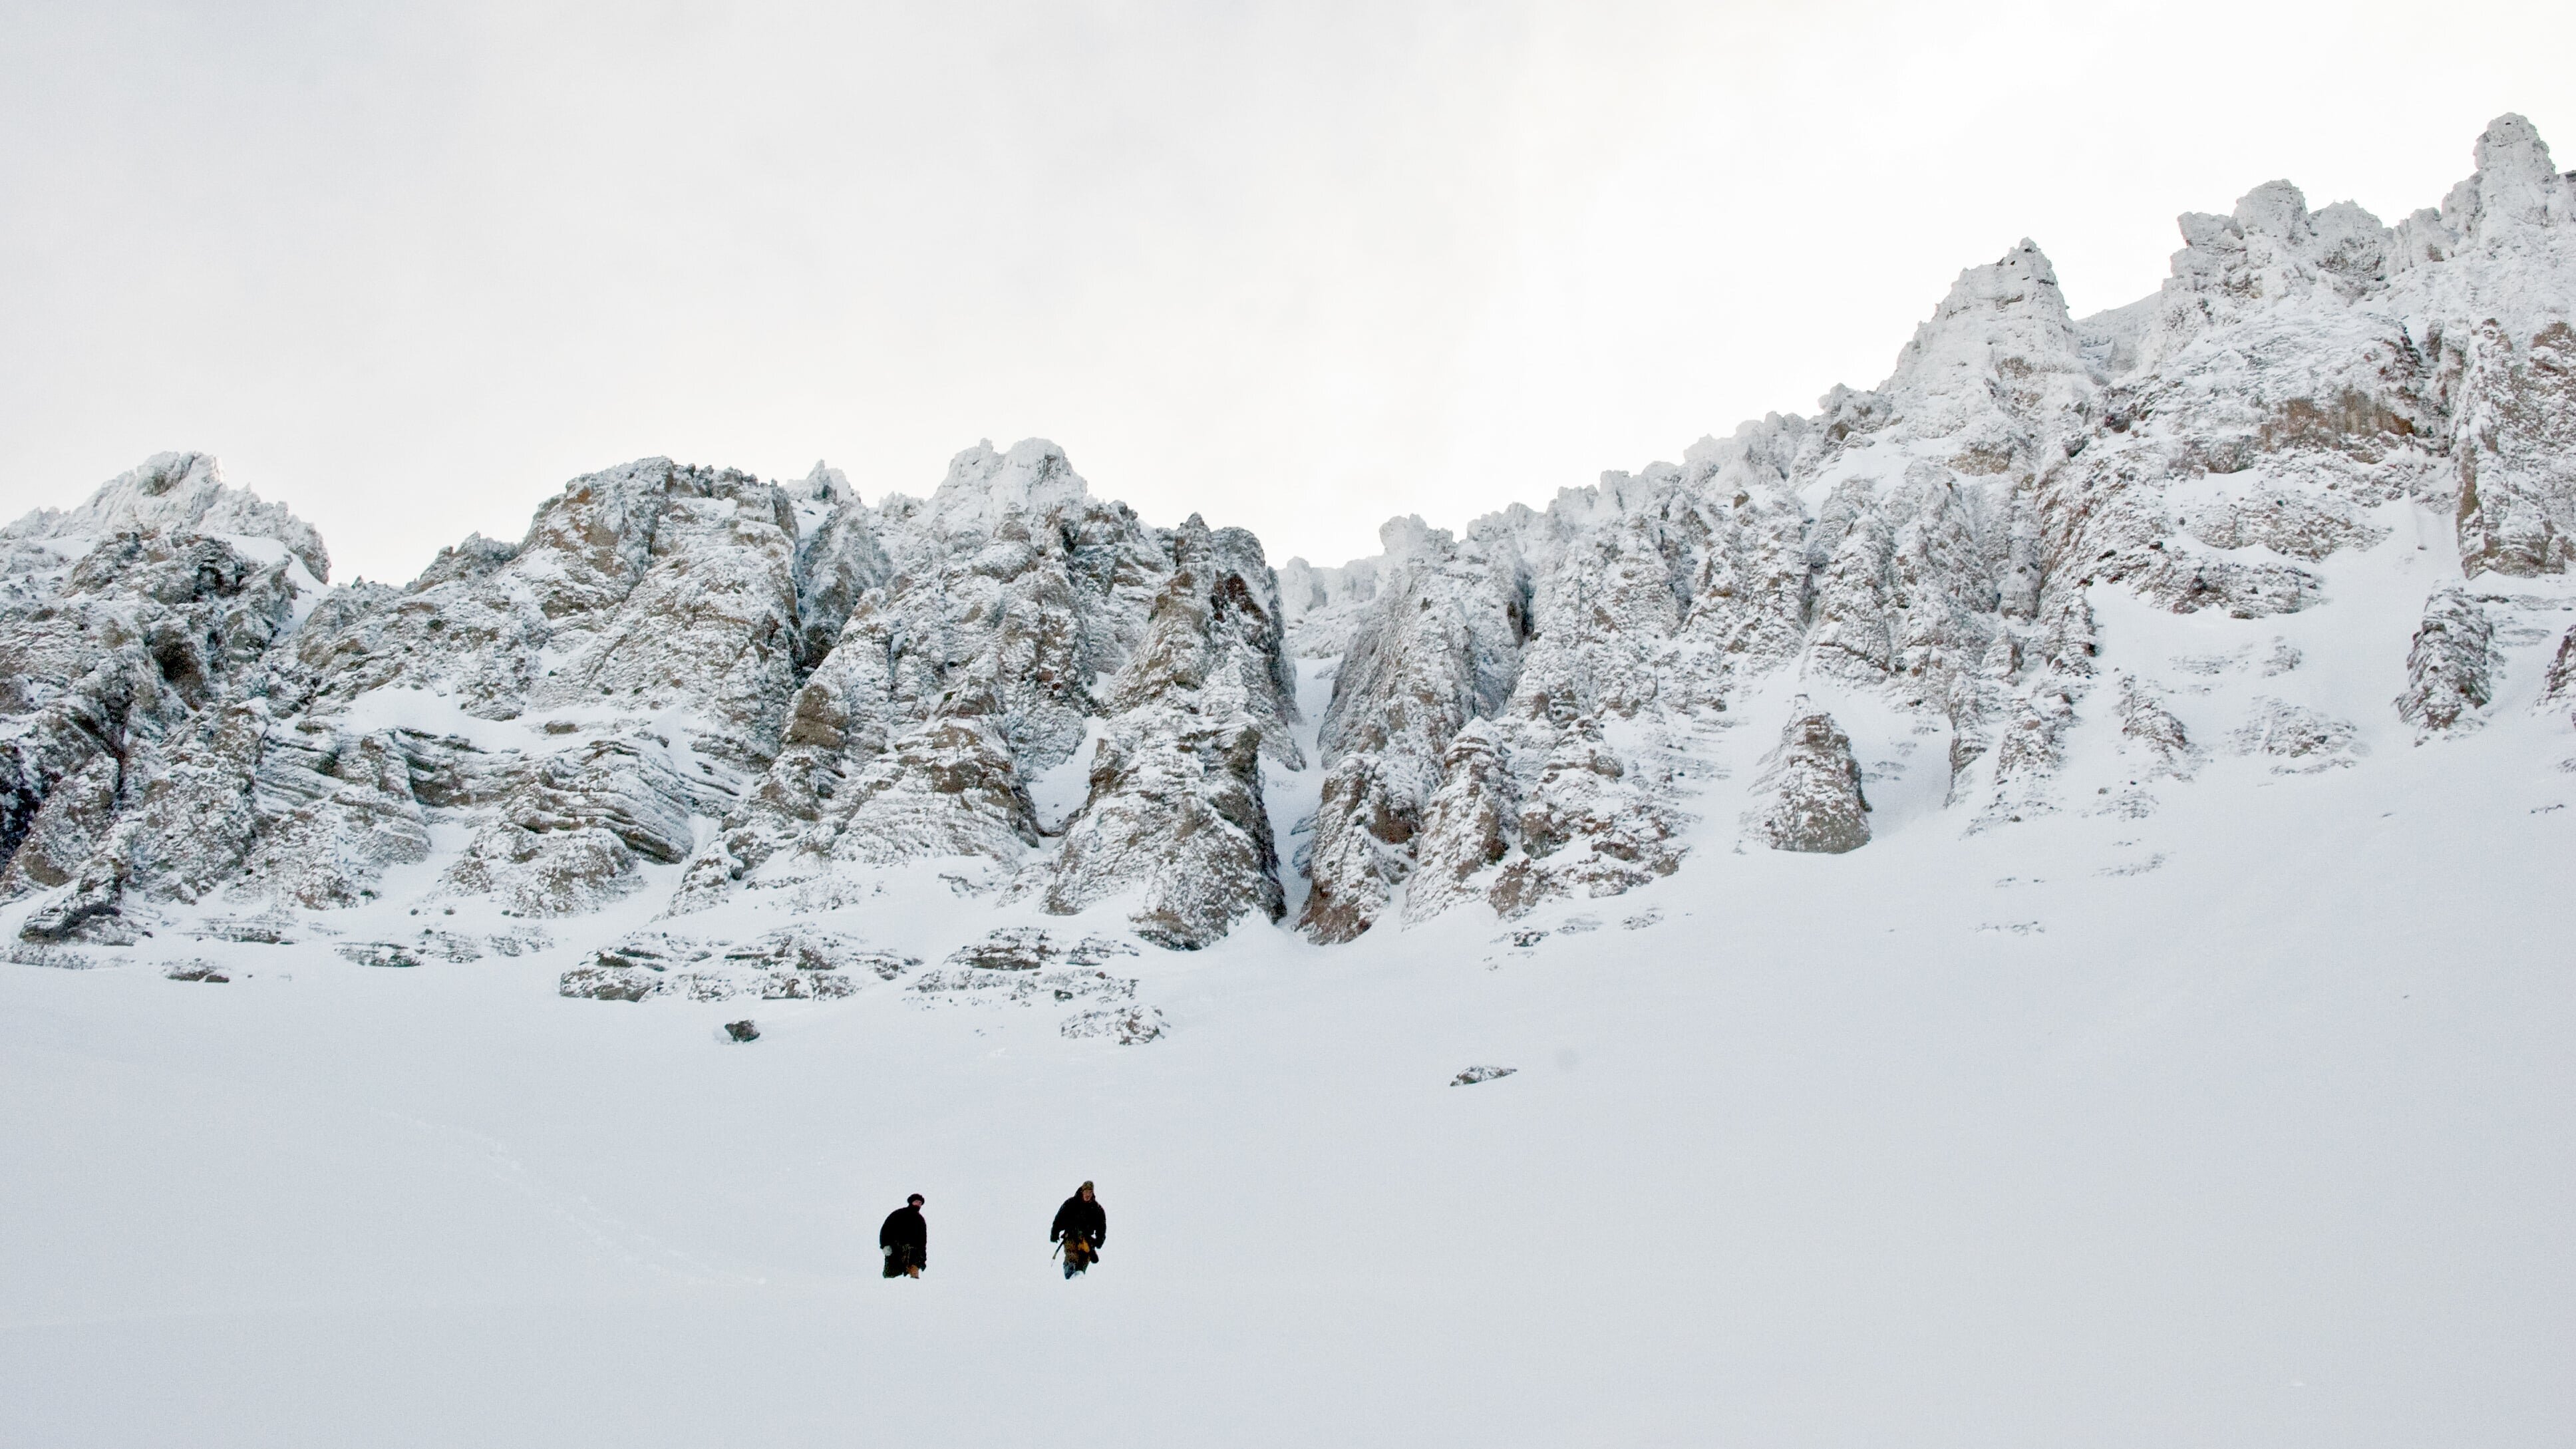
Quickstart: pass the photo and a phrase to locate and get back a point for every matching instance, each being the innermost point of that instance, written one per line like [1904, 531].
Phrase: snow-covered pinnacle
[2006, 315]
[175, 493]
[1404, 538]
[1998, 365]
[2272, 246]
[2516, 185]
[983, 487]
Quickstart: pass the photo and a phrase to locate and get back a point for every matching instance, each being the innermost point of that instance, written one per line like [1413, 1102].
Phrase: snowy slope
[2024, 908]
[1988, 1142]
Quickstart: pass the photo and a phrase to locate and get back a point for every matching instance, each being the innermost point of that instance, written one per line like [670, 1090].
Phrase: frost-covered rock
[1174, 817]
[1020, 622]
[1322, 607]
[1810, 791]
[2558, 685]
[427, 946]
[796, 963]
[175, 495]
[1939, 539]
[838, 559]
[2517, 451]
[1123, 1025]
[648, 588]
[1440, 647]
[116, 652]
[1533, 812]
[571, 836]
[1999, 371]
[2151, 730]
[1028, 949]
[186, 821]
[2450, 666]
[2299, 740]
[336, 810]
[2488, 271]
[1025, 967]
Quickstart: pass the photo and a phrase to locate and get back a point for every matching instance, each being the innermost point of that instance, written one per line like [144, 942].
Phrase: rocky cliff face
[2306, 387]
[1026, 631]
[728, 700]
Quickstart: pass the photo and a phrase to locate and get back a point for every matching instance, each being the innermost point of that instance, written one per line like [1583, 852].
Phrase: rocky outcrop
[2297, 739]
[1322, 607]
[1441, 646]
[1174, 818]
[2450, 666]
[644, 634]
[178, 495]
[2151, 731]
[2517, 451]
[1026, 630]
[1810, 791]
[849, 686]
[2492, 266]
[1513, 722]
[337, 809]
[2558, 685]
[648, 589]
[128, 657]
[793, 964]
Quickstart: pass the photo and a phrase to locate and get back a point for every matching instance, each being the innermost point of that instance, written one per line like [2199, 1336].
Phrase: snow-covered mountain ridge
[2314, 499]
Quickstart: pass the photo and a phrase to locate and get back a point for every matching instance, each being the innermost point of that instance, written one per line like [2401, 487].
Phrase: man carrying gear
[1082, 1226]
[906, 1240]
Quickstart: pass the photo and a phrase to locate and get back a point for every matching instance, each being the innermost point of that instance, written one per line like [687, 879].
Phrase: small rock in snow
[1125, 1025]
[611, 983]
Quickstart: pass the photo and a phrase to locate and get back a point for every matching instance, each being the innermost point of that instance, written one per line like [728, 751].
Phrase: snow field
[2269, 1144]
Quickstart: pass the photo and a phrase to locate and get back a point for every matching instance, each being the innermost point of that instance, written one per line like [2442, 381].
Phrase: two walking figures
[1081, 1226]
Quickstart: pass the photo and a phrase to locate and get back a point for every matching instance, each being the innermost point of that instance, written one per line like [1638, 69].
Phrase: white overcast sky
[1295, 266]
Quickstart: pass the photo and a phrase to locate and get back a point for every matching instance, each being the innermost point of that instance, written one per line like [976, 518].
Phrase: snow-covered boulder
[2450, 666]
[1810, 791]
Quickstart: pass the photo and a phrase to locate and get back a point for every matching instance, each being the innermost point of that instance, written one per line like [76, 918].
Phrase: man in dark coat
[906, 1240]
[1082, 1226]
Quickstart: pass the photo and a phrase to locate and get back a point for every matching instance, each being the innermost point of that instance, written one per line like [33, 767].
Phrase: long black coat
[906, 1233]
[1079, 1219]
